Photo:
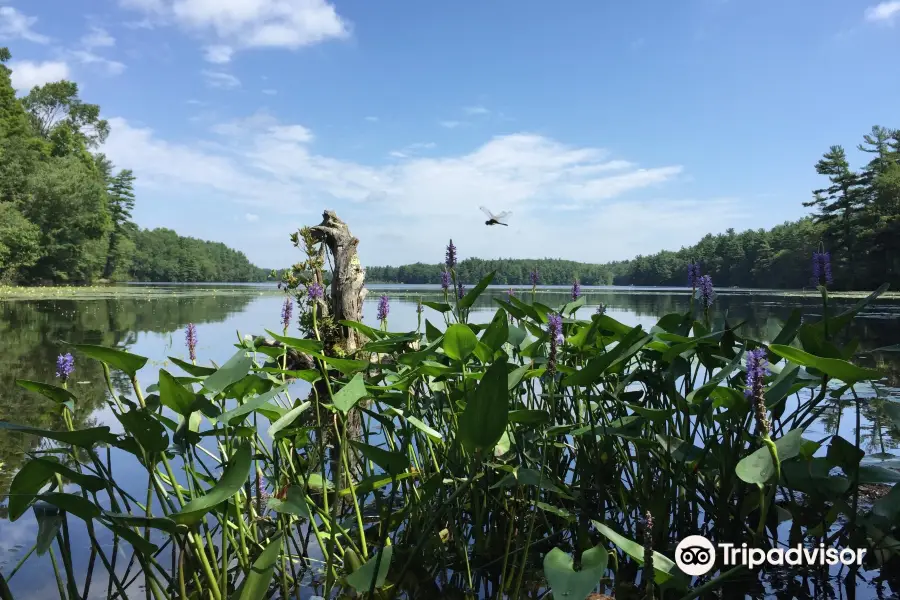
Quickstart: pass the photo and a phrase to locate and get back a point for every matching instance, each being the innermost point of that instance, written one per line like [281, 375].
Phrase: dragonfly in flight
[496, 219]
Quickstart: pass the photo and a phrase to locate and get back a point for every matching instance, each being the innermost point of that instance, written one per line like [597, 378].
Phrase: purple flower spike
[576, 290]
[554, 328]
[693, 274]
[315, 291]
[707, 293]
[461, 291]
[757, 369]
[384, 307]
[451, 255]
[190, 338]
[445, 280]
[65, 366]
[287, 310]
[510, 292]
[821, 268]
[534, 277]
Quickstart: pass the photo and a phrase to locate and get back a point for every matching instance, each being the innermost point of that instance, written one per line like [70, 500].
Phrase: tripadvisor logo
[695, 555]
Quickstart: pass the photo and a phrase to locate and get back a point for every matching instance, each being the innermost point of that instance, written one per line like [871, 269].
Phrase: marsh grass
[458, 460]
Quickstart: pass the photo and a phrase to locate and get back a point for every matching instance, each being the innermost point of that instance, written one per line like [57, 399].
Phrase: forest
[855, 217]
[65, 209]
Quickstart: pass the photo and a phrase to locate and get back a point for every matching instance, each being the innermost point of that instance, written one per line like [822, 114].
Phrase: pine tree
[120, 194]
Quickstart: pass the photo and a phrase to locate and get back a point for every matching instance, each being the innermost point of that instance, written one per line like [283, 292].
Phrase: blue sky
[607, 128]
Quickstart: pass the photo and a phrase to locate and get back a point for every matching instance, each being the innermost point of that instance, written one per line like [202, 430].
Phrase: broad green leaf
[487, 412]
[459, 341]
[568, 584]
[126, 362]
[530, 477]
[469, 299]
[77, 505]
[441, 307]
[515, 376]
[247, 385]
[309, 375]
[625, 349]
[128, 520]
[236, 473]
[288, 418]
[758, 467]
[348, 396]
[49, 520]
[347, 366]
[361, 579]
[393, 463]
[843, 454]
[192, 369]
[872, 474]
[295, 503]
[571, 307]
[663, 567]
[137, 542]
[497, 332]
[174, 395]
[234, 369]
[256, 585]
[432, 333]
[23, 490]
[57, 394]
[249, 406]
[85, 438]
[833, 367]
[305, 346]
[529, 416]
[421, 426]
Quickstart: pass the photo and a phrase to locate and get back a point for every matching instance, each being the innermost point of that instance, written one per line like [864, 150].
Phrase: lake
[149, 320]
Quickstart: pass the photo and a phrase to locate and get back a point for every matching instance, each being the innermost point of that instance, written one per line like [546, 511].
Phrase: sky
[608, 129]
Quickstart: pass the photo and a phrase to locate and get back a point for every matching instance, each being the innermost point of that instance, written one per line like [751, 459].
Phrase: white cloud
[371, 119]
[270, 92]
[112, 67]
[251, 218]
[242, 24]
[476, 110]
[218, 79]
[16, 25]
[218, 54]
[885, 12]
[450, 124]
[261, 162]
[98, 38]
[27, 74]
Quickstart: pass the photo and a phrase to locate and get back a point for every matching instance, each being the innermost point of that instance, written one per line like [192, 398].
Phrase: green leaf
[529, 416]
[236, 473]
[294, 503]
[874, 474]
[361, 579]
[568, 584]
[23, 490]
[487, 412]
[256, 585]
[346, 366]
[308, 375]
[758, 467]
[233, 370]
[128, 520]
[497, 332]
[174, 395]
[833, 367]
[421, 426]
[288, 418]
[249, 406]
[469, 299]
[393, 463]
[49, 521]
[459, 341]
[192, 369]
[843, 454]
[132, 537]
[441, 307]
[305, 346]
[84, 438]
[347, 397]
[126, 362]
[663, 567]
[77, 505]
[57, 394]
[633, 341]
[432, 333]
[246, 385]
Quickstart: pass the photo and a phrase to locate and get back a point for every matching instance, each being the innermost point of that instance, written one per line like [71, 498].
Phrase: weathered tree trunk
[348, 277]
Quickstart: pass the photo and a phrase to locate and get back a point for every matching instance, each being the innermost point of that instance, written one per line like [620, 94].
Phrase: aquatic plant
[287, 310]
[705, 291]
[480, 455]
[384, 308]
[821, 268]
[445, 280]
[576, 290]
[694, 274]
[190, 340]
[450, 256]
[65, 366]
[315, 291]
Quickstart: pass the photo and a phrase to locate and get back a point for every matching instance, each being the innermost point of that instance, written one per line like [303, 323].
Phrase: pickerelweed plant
[473, 457]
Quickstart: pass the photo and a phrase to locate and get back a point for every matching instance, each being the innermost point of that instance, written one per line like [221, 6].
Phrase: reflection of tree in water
[32, 335]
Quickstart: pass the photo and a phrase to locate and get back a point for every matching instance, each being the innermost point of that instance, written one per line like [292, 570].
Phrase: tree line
[856, 218]
[65, 209]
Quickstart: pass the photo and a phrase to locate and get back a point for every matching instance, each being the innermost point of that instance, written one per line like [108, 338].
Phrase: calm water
[149, 320]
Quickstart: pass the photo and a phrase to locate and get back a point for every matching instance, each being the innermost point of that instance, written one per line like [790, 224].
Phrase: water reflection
[150, 321]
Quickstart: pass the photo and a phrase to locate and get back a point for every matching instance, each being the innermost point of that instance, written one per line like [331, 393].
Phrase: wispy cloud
[251, 218]
[241, 25]
[261, 162]
[218, 54]
[450, 124]
[371, 119]
[16, 25]
[97, 37]
[270, 92]
[412, 150]
[885, 12]
[476, 110]
[220, 80]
